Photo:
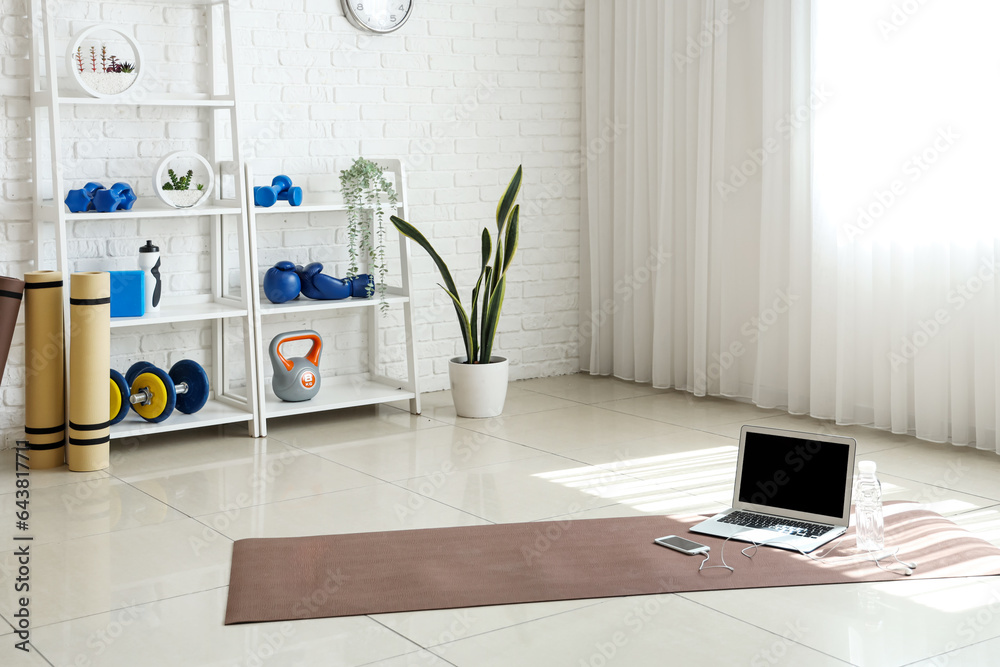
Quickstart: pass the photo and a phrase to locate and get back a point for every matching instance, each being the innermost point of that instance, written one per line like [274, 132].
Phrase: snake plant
[479, 329]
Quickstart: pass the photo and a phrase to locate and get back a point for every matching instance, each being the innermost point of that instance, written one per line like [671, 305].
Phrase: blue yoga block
[128, 292]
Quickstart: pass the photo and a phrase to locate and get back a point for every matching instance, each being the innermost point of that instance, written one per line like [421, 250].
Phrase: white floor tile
[417, 659]
[14, 657]
[11, 654]
[439, 406]
[984, 523]
[934, 498]
[523, 490]
[273, 474]
[958, 468]
[344, 426]
[652, 630]
[620, 454]
[685, 409]
[189, 630]
[436, 627]
[135, 459]
[568, 429]
[100, 573]
[40, 479]
[97, 505]
[685, 483]
[882, 625]
[586, 388]
[422, 452]
[869, 439]
[683, 472]
[983, 654]
[366, 509]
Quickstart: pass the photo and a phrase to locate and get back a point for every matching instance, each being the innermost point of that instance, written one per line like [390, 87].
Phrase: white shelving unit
[52, 218]
[342, 391]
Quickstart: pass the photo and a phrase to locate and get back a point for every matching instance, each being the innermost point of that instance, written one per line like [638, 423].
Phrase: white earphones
[907, 570]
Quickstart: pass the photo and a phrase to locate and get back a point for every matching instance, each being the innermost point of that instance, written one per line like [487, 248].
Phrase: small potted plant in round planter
[104, 62]
[479, 379]
[182, 189]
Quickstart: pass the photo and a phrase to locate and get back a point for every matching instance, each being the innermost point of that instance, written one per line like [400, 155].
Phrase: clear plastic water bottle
[868, 508]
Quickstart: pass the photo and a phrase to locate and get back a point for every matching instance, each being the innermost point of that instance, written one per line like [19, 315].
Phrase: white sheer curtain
[906, 171]
[721, 251]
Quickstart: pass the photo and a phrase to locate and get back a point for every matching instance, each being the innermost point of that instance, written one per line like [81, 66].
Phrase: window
[907, 149]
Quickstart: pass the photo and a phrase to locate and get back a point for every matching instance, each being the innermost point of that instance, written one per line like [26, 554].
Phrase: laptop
[793, 490]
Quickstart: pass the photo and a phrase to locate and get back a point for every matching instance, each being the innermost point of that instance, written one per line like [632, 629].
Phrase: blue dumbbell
[118, 196]
[95, 197]
[153, 393]
[82, 199]
[128, 197]
[281, 188]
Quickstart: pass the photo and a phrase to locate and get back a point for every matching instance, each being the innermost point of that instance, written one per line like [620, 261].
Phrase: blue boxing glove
[317, 285]
[360, 285]
[281, 282]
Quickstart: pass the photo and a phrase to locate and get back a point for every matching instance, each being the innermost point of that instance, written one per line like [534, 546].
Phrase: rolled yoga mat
[45, 361]
[89, 360]
[11, 291]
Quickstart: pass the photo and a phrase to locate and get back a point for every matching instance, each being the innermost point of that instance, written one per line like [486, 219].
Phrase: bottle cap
[149, 247]
[866, 467]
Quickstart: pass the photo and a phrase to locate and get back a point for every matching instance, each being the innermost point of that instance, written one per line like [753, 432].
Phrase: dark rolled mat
[276, 579]
[11, 292]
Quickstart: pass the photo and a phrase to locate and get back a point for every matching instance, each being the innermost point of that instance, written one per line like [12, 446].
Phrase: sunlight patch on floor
[681, 482]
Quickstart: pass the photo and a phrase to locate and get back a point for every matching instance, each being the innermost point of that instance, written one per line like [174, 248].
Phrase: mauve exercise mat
[442, 568]
[11, 292]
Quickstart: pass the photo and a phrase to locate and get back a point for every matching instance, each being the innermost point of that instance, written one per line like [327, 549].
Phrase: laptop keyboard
[776, 523]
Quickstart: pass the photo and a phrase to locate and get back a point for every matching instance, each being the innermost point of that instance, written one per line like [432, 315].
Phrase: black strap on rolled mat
[89, 427]
[30, 430]
[90, 302]
[79, 442]
[50, 430]
[44, 448]
[11, 295]
[51, 283]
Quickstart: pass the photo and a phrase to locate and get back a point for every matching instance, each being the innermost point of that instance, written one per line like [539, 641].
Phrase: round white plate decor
[100, 57]
[181, 162]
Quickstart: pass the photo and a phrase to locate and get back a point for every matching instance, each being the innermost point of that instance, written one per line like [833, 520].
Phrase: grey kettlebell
[296, 379]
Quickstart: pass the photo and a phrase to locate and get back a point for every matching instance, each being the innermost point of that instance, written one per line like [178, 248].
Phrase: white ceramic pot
[478, 390]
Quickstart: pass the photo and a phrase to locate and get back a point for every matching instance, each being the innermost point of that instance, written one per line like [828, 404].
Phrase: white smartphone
[676, 543]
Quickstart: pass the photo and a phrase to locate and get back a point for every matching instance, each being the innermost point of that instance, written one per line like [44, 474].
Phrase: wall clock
[378, 16]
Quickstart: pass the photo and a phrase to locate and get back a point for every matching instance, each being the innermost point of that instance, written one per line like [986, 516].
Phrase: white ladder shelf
[343, 391]
[218, 306]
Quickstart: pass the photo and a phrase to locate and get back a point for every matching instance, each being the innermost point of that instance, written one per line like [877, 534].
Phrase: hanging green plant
[367, 192]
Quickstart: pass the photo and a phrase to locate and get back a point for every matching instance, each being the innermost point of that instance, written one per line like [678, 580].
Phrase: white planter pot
[478, 390]
[184, 198]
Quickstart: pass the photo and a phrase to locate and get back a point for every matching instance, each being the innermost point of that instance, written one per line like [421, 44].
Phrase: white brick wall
[464, 93]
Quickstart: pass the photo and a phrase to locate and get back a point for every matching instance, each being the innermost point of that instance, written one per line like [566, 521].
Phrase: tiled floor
[130, 567]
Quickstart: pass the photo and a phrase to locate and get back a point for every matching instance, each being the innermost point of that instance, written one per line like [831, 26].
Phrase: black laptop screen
[794, 474]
